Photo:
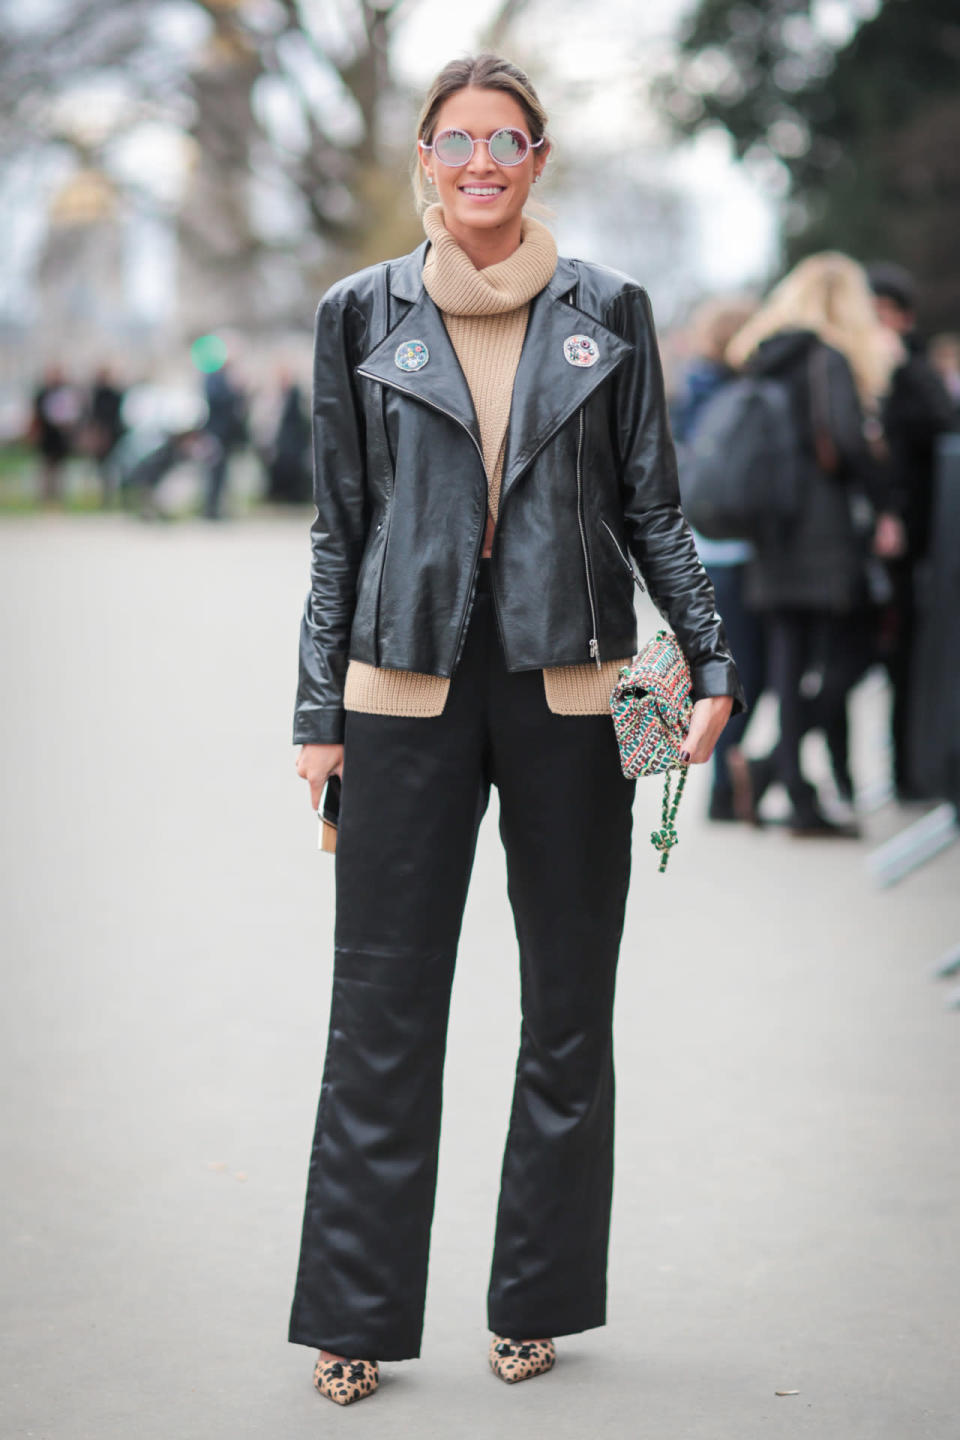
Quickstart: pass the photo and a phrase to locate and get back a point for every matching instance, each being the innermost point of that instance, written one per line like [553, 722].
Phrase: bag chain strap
[666, 837]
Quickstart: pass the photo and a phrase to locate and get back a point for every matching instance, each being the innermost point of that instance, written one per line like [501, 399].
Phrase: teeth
[482, 190]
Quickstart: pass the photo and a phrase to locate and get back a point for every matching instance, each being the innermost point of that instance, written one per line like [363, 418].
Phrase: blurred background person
[226, 424]
[916, 412]
[57, 411]
[711, 328]
[106, 429]
[817, 335]
[288, 460]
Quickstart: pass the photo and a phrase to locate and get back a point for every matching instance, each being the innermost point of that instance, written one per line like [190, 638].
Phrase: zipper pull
[595, 652]
[631, 567]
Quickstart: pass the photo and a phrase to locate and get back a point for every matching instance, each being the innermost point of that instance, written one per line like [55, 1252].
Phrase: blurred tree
[292, 154]
[296, 137]
[284, 109]
[866, 130]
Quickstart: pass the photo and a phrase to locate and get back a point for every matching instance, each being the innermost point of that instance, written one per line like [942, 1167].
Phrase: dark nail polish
[685, 756]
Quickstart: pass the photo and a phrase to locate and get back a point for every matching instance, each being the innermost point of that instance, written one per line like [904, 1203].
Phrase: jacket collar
[547, 389]
[441, 383]
[406, 274]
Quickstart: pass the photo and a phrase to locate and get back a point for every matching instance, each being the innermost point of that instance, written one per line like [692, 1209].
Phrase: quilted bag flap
[651, 705]
[657, 684]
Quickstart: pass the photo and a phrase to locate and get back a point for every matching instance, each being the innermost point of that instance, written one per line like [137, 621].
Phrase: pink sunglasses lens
[453, 147]
[508, 147]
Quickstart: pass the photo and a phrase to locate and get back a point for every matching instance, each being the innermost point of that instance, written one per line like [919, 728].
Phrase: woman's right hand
[315, 764]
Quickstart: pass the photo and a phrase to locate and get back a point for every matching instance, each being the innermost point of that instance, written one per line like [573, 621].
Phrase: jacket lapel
[548, 389]
[441, 382]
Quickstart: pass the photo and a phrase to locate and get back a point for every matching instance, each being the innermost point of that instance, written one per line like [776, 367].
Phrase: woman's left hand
[708, 719]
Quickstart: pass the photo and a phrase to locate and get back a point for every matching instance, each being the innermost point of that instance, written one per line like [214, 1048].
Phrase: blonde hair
[482, 72]
[827, 293]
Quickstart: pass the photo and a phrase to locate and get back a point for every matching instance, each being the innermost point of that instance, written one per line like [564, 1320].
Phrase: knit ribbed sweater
[485, 314]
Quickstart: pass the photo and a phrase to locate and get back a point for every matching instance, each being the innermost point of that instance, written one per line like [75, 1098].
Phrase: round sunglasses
[506, 146]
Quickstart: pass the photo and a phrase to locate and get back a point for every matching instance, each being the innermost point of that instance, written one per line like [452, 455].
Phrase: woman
[817, 335]
[490, 443]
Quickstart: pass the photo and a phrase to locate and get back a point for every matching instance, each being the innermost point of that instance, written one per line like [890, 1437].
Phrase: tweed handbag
[652, 705]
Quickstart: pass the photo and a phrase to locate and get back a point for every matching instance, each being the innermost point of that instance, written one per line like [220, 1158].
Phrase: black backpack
[740, 472]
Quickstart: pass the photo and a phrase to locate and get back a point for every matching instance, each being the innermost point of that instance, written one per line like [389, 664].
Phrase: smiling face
[482, 195]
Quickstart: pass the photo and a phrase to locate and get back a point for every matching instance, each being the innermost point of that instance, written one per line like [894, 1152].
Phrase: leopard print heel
[513, 1360]
[344, 1381]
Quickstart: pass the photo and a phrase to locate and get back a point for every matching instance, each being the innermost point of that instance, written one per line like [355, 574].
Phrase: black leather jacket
[589, 480]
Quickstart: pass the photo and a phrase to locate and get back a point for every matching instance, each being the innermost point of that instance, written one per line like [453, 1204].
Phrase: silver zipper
[431, 405]
[634, 573]
[594, 646]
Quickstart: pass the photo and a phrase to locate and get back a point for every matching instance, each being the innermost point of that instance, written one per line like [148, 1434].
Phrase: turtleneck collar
[457, 287]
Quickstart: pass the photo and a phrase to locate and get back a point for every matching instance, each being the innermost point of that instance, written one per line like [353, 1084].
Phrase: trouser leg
[789, 646]
[844, 645]
[413, 795]
[565, 819]
[836, 732]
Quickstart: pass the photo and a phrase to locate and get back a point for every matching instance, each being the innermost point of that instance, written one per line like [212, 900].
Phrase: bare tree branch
[347, 187]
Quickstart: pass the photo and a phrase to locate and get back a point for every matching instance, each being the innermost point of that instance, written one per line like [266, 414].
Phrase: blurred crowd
[825, 385]
[133, 438]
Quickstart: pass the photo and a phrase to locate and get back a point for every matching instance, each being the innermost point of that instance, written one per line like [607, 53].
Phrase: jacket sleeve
[660, 538]
[338, 532]
[858, 466]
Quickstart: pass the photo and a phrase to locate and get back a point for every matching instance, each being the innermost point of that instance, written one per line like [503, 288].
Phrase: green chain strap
[666, 837]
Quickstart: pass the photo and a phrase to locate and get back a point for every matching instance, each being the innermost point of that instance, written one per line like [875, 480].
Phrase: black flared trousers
[414, 793]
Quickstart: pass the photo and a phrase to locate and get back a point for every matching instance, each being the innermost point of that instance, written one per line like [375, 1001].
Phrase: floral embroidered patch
[411, 355]
[580, 350]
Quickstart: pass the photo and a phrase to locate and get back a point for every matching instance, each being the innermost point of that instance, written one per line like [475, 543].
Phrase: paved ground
[786, 1213]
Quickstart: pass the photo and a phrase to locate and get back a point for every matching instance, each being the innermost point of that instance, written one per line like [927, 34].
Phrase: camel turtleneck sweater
[485, 313]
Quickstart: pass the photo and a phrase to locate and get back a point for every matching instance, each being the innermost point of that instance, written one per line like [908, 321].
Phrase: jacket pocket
[625, 557]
